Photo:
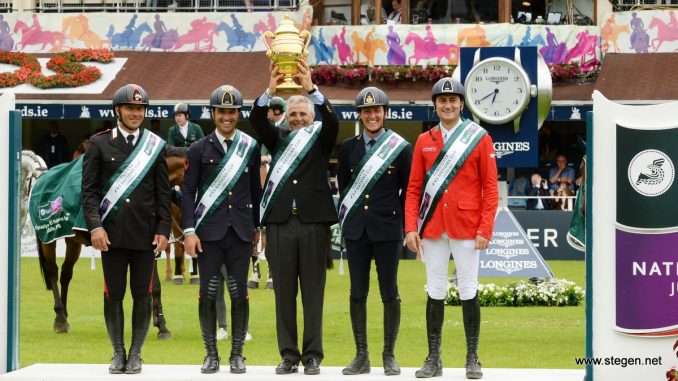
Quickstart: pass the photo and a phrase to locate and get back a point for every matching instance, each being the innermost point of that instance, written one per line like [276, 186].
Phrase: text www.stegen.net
[618, 361]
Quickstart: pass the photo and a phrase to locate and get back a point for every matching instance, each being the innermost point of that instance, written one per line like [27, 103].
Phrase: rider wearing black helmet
[221, 193]
[126, 203]
[185, 132]
[371, 216]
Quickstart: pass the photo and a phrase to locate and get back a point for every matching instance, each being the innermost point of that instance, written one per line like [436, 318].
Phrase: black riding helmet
[447, 85]
[181, 108]
[131, 95]
[371, 96]
[226, 96]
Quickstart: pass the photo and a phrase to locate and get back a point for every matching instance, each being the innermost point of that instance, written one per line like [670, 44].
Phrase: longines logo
[507, 148]
[651, 172]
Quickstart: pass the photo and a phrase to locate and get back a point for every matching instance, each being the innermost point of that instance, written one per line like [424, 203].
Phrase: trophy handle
[306, 35]
[268, 34]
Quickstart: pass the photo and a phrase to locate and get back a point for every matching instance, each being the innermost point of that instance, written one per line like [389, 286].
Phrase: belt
[295, 211]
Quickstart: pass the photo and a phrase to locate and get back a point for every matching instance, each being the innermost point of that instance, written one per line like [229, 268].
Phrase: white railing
[160, 5]
[567, 205]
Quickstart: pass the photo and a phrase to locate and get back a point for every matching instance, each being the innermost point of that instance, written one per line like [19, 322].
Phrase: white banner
[638, 354]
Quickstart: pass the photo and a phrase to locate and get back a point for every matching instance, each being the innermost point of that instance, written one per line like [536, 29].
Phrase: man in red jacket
[451, 203]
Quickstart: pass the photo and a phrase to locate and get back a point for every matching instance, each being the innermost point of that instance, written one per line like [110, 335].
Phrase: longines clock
[498, 90]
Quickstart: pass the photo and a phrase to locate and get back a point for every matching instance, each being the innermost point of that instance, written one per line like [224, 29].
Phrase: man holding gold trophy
[297, 207]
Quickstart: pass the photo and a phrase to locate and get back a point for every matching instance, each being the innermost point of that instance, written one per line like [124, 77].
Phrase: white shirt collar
[125, 134]
[222, 138]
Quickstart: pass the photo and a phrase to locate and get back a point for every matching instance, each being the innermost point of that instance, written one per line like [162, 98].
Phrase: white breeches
[437, 260]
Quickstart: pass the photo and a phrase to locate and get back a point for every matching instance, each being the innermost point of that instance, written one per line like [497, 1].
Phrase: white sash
[455, 152]
[368, 172]
[286, 161]
[130, 173]
[225, 176]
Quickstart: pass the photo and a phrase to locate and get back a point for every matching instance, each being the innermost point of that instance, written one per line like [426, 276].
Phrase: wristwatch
[313, 90]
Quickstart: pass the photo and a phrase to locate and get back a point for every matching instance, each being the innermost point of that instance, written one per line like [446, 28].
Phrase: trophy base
[287, 89]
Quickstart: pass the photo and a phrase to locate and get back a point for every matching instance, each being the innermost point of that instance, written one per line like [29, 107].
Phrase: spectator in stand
[563, 196]
[394, 17]
[562, 173]
[368, 13]
[549, 144]
[538, 187]
[53, 147]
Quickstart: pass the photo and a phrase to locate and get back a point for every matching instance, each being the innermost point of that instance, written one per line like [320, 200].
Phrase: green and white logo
[651, 172]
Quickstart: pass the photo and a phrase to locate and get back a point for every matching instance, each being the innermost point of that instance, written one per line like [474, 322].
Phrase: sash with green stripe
[367, 173]
[126, 179]
[225, 176]
[455, 152]
[286, 160]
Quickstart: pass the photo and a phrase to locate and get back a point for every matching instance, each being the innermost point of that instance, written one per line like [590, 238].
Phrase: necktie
[130, 141]
[371, 143]
[228, 143]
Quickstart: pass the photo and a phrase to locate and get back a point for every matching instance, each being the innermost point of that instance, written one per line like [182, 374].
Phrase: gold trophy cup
[288, 47]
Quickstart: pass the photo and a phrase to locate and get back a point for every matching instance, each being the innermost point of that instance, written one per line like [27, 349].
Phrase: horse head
[260, 27]
[111, 32]
[411, 37]
[335, 41]
[655, 22]
[20, 26]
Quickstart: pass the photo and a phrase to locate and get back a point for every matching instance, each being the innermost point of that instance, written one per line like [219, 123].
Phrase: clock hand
[496, 91]
[486, 96]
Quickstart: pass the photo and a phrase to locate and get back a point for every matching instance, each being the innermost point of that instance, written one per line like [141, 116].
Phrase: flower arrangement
[331, 74]
[70, 72]
[570, 71]
[558, 292]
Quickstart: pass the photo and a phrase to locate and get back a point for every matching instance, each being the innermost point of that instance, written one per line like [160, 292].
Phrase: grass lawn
[522, 337]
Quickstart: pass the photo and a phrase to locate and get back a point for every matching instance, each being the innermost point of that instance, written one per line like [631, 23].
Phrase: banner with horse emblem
[646, 230]
[55, 206]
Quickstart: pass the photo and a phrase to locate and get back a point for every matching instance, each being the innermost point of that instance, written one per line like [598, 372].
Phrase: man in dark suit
[372, 221]
[127, 209]
[221, 195]
[298, 211]
[538, 187]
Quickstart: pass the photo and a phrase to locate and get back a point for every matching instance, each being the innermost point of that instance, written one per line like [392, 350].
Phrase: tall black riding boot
[141, 318]
[391, 328]
[361, 362]
[115, 324]
[435, 313]
[207, 312]
[239, 317]
[471, 311]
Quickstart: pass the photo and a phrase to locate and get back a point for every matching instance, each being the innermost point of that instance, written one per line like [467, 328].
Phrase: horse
[323, 53]
[246, 39]
[585, 51]
[368, 47]
[611, 37]
[665, 32]
[424, 50]
[38, 37]
[202, 33]
[127, 38]
[77, 28]
[474, 36]
[33, 167]
[167, 42]
[345, 51]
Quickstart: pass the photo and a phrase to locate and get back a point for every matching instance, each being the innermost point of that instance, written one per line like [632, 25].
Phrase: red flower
[69, 71]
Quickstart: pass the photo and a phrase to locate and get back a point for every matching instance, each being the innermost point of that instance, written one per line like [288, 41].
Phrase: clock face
[497, 90]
